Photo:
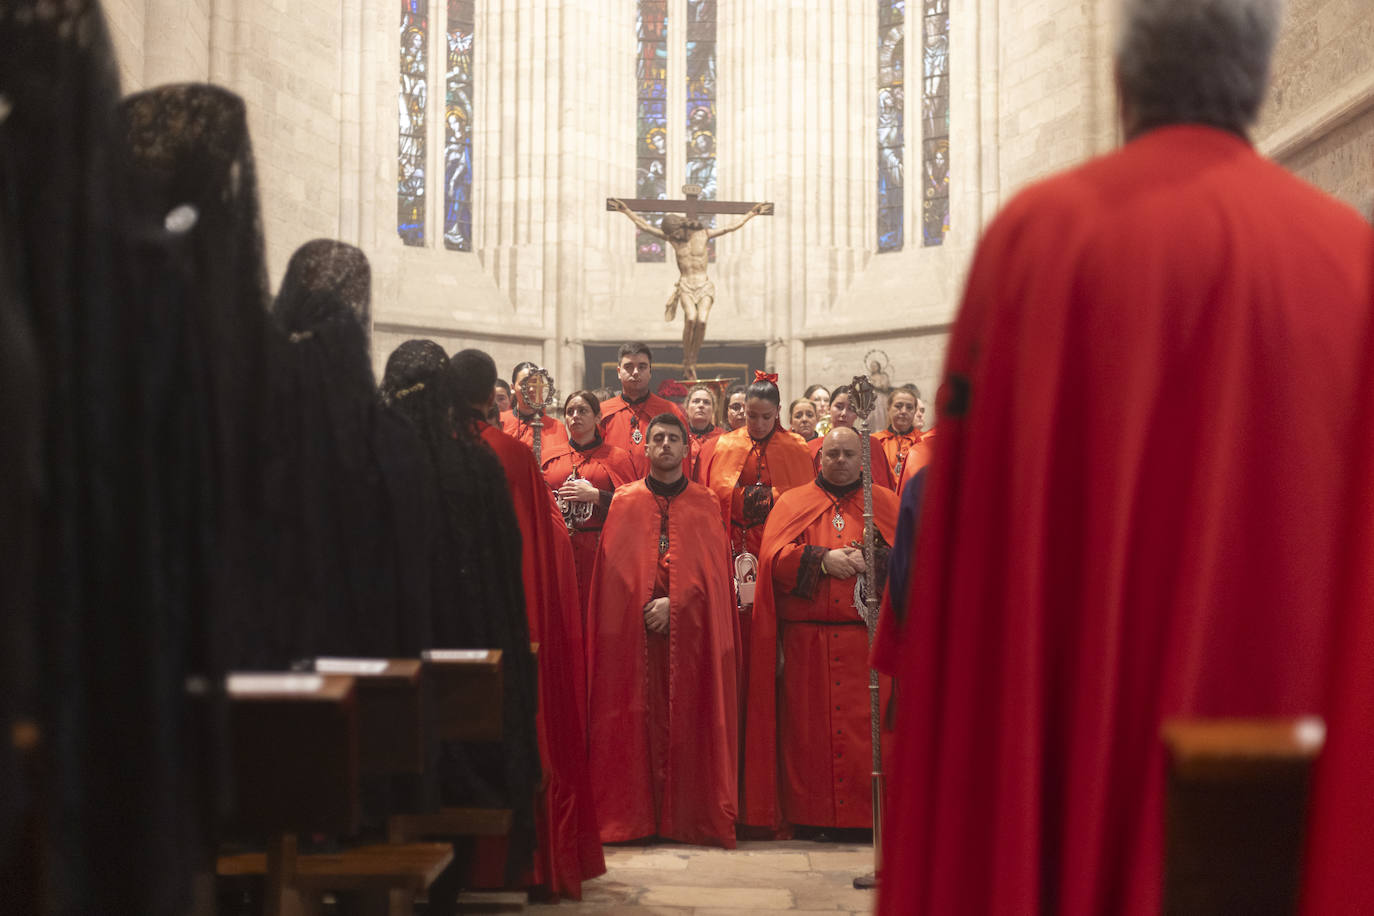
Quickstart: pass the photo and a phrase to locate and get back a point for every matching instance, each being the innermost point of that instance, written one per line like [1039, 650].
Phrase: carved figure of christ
[694, 291]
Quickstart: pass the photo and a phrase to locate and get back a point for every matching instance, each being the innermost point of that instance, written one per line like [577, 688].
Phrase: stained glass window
[701, 101]
[935, 123]
[458, 128]
[652, 144]
[891, 107]
[414, 92]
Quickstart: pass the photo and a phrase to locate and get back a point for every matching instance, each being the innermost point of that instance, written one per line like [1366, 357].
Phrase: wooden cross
[693, 205]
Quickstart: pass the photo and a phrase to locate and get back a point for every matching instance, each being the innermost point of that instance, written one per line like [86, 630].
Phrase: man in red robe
[569, 850]
[661, 659]
[842, 414]
[1077, 589]
[625, 418]
[900, 442]
[701, 427]
[521, 419]
[808, 751]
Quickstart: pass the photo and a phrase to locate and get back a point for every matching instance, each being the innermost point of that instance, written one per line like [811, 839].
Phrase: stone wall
[1319, 117]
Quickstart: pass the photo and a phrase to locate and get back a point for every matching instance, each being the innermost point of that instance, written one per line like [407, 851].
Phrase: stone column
[798, 115]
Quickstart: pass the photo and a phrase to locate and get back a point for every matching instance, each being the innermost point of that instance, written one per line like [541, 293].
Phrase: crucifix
[694, 290]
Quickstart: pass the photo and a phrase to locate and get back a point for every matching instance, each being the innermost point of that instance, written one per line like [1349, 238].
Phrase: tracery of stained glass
[458, 128]
[413, 96]
[701, 101]
[651, 74]
[891, 108]
[935, 123]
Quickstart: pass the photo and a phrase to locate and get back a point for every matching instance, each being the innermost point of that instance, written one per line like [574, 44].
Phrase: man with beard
[842, 414]
[808, 754]
[662, 663]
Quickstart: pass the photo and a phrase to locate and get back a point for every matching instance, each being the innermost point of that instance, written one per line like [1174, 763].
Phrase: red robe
[1074, 590]
[1340, 833]
[569, 846]
[607, 467]
[882, 474]
[663, 709]
[552, 431]
[699, 442]
[620, 420]
[808, 751]
[904, 453]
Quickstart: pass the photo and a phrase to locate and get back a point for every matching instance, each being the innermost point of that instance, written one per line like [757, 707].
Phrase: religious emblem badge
[758, 501]
[837, 520]
[636, 436]
[746, 577]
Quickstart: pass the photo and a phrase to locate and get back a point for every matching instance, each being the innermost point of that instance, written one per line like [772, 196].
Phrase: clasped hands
[656, 615]
[844, 563]
[580, 490]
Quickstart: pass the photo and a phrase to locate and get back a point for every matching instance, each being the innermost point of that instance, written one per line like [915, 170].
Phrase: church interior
[535, 113]
[475, 151]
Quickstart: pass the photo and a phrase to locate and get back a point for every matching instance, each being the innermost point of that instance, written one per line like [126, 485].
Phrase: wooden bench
[1235, 814]
[468, 695]
[296, 750]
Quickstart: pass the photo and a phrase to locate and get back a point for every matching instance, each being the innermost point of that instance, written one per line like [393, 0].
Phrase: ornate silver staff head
[865, 397]
[538, 391]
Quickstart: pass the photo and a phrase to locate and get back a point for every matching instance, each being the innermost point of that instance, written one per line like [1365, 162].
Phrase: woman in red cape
[699, 778]
[584, 470]
[1094, 559]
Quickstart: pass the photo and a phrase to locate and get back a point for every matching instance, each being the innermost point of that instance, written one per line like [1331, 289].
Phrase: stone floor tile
[758, 863]
[856, 861]
[656, 861]
[743, 898]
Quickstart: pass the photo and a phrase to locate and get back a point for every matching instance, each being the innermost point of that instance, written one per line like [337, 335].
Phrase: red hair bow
[760, 376]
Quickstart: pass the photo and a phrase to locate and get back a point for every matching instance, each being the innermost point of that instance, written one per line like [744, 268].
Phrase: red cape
[794, 511]
[789, 465]
[882, 474]
[699, 443]
[1340, 834]
[699, 793]
[917, 456]
[616, 428]
[1190, 321]
[569, 850]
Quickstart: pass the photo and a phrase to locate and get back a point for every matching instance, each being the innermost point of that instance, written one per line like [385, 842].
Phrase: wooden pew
[295, 747]
[1235, 814]
[468, 696]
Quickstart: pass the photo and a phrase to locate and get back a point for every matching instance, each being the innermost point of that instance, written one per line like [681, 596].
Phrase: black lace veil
[353, 475]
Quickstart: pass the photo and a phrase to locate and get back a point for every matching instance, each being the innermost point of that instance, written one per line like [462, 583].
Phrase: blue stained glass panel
[458, 125]
[891, 123]
[413, 99]
[935, 123]
[651, 76]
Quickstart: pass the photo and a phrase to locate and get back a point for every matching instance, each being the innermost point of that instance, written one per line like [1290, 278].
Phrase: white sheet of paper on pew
[456, 655]
[241, 684]
[350, 666]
